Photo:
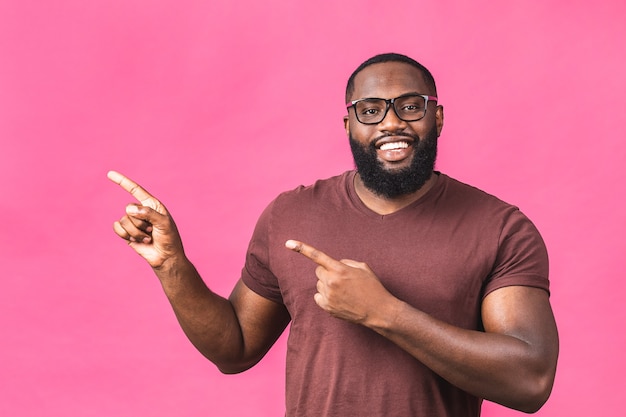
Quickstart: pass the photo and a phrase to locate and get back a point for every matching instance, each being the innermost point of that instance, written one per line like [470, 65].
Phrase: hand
[148, 227]
[346, 289]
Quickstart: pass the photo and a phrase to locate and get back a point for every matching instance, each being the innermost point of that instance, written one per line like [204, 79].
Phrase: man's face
[393, 157]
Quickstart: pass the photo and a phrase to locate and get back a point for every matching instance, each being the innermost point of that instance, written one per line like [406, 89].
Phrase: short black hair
[390, 57]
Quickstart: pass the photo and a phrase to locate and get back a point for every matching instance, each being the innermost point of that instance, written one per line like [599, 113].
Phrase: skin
[233, 333]
[389, 80]
[512, 362]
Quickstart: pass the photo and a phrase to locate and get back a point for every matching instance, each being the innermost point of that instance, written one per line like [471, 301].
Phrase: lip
[396, 138]
[395, 156]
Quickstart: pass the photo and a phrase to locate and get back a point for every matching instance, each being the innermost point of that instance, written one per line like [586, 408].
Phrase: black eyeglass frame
[390, 102]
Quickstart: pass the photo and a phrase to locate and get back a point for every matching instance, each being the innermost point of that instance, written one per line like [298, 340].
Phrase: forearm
[498, 367]
[512, 362]
[208, 320]
[235, 333]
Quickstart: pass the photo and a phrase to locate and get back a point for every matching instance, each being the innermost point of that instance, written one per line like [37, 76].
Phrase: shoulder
[307, 200]
[465, 191]
[521, 254]
[469, 200]
[323, 191]
[489, 215]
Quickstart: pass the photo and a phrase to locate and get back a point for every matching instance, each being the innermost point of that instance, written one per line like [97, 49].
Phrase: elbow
[536, 391]
[532, 406]
[232, 362]
[230, 371]
[236, 367]
[537, 394]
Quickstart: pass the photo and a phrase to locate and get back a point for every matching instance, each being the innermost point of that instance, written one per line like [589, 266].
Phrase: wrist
[172, 266]
[386, 316]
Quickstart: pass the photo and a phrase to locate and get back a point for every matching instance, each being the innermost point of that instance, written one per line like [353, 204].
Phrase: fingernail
[132, 209]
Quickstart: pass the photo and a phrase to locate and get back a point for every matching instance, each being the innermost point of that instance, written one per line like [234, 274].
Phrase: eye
[369, 108]
[369, 111]
[412, 105]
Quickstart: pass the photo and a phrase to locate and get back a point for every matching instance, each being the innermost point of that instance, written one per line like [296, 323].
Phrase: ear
[346, 124]
[439, 119]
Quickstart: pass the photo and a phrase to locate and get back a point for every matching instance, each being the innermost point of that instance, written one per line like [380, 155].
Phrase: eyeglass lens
[373, 110]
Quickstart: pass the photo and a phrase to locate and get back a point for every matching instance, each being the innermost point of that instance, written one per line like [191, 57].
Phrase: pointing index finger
[313, 254]
[136, 190]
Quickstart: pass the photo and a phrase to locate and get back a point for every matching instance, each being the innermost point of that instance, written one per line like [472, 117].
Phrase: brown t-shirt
[442, 254]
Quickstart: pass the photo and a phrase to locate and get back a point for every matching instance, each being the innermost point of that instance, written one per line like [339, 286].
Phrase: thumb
[146, 214]
[354, 264]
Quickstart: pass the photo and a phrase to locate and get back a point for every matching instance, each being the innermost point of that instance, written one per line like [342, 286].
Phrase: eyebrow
[409, 93]
[433, 98]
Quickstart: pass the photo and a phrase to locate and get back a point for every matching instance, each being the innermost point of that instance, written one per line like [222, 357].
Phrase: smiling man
[409, 293]
[393, 162]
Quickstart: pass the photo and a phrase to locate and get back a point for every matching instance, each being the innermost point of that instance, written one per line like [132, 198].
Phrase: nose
[391, 121]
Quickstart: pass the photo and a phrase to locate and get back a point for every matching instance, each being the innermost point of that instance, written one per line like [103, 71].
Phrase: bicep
[261, 321]
[524, 313]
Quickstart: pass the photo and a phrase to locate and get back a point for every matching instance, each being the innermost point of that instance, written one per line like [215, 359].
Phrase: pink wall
[205, 102]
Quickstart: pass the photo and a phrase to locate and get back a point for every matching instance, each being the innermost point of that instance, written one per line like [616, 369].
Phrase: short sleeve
[522, 257]
[256, 273]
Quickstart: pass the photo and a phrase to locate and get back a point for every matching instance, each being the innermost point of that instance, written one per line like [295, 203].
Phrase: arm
[512, 362]
[233, 333]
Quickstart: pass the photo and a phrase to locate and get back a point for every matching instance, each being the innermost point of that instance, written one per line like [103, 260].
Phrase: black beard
[392, 184]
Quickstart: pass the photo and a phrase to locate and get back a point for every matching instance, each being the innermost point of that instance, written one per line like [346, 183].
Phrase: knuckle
[140, 224]
[320, 271]
[160, 207]
[333, 282]
[133, 187]
[127, 229]
[125, 222]
[120, 231]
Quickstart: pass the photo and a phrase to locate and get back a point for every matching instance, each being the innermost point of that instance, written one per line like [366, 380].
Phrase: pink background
[216, 108]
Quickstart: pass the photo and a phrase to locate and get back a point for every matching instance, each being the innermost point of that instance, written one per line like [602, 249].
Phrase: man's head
[396, 155]
[391, 57]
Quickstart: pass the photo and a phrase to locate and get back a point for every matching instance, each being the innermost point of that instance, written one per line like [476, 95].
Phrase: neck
[383, 205]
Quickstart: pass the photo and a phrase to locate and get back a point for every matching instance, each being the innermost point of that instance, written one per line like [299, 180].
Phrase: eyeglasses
[409, 108]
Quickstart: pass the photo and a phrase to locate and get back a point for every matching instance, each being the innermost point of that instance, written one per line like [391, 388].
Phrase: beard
[396, 183]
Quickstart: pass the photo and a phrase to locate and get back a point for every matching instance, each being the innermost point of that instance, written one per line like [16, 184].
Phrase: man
[411, 293]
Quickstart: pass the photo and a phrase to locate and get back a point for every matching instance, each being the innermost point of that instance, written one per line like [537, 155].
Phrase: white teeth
[393, 145]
